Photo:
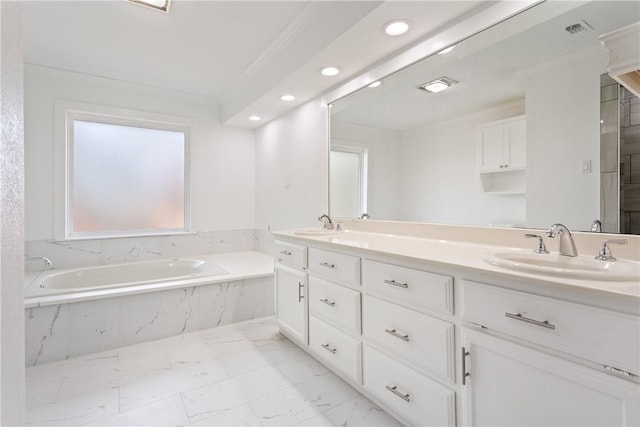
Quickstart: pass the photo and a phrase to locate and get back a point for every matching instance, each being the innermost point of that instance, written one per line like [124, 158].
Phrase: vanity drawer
[591, 333]
[340, 268]
[336, 348]
[335, 304]
[422, 341]
[414, 288]
[411, 395]
[291, 254]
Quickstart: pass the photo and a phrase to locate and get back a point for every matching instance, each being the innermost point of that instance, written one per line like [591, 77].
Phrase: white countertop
[455, 253]
[238, 265]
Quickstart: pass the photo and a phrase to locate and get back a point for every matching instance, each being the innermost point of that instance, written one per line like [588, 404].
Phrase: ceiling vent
[578, 27]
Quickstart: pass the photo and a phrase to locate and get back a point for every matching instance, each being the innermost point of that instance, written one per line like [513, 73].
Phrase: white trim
[65, 113]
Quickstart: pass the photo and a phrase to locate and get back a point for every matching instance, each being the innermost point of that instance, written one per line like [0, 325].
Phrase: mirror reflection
[516, 126]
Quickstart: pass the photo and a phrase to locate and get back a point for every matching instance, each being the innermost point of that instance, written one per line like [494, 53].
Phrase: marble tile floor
[243, 374]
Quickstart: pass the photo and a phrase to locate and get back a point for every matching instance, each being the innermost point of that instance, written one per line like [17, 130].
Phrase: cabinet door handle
[326, 264]
[330, 349]
[394, 389]
[397, 335]
[300, 296]
[544, 324]
[287, 253]
[465, 374]
[326, 301]
[398, 284]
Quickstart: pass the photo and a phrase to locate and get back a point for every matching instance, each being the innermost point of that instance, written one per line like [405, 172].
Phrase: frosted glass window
[126, 180]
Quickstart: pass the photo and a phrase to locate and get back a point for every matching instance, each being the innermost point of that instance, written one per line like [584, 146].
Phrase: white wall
[563, 128]
[440, 178]
[292, 169]
[384, 185]
[12, 374]
[222, 158]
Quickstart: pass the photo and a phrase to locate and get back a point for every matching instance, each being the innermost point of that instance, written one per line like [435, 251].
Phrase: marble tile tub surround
[84, 253]
[60, 331]
[241, 374]
[587, 243]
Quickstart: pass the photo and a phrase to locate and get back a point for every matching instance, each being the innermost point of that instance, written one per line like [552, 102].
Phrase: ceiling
[491, 67]
[241, 55]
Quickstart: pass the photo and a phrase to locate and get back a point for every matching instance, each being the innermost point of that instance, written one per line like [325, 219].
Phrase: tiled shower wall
[84, 253]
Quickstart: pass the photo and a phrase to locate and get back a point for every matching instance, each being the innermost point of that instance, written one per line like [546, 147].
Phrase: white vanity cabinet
[291, 289]
[502, 145]
[518, 361]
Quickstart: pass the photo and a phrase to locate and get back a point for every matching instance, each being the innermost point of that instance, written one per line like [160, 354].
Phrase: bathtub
[123, 275]
[79, 311]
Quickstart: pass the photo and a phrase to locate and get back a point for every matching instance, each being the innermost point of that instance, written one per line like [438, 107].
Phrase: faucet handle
[540, 248]
[605, 253]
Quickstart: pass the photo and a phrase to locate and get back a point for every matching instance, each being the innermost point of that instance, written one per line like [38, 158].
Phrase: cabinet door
[515, 144]
[291, 302]
[490, 151]
[509, 384]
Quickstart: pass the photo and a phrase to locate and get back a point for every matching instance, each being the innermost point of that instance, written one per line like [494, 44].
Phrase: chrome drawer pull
[329, 348]
[326, 301]
[397, 335]
[520, 317]
[300, 296]
[398, 284]
[326, 264]
[287, 253]
[394, 390]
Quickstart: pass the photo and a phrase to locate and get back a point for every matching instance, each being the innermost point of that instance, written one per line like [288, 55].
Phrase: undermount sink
[315, 231]
[580, 267]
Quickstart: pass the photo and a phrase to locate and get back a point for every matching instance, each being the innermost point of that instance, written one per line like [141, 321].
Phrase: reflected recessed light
[375, 84]
[330, 71]
[254, 118]
[447, 50]
[397, 27]
[287, 97]
[438, 85]
[162, 5]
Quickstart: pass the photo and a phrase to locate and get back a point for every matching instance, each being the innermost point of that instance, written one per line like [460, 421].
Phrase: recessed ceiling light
[254, 118]
[162, 5]
[375, 84]
[330, 71]
[287, 97]
[438, 85]
[397, 27]
[447, 50]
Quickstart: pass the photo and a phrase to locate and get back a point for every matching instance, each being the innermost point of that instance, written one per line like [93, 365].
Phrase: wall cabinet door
[502, 146]
[509, 384]
[291, 302]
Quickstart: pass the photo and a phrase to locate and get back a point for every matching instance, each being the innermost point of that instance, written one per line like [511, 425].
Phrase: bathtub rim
[239, 266]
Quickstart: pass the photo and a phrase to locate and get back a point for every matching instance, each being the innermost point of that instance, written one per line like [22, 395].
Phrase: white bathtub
[122, 276]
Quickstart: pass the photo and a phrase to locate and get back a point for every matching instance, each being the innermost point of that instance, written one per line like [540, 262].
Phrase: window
[124, 177]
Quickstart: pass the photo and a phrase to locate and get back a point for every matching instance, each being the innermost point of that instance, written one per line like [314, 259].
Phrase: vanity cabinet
[291, 288]
[502, 145]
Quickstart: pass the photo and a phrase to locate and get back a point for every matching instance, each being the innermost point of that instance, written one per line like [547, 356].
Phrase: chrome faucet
[605, 253]
[48, 265]
[540, 247]
[364, 216]
[596, 227]
[327, 224]
[566, 245]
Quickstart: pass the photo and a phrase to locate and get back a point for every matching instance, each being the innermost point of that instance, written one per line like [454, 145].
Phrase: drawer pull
[326, 264]
[326, 301]
[397, 335]
[520, 317]
[394, 390]
[287, 253]
[300, 296]
[330, 349]
[398, 284]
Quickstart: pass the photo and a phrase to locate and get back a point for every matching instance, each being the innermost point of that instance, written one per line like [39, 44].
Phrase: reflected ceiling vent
[438, 85]
[578, 27]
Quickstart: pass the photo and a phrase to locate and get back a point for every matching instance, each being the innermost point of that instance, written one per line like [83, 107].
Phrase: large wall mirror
[528, 131]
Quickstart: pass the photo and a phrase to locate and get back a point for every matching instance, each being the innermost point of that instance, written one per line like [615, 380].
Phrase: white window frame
[65, 114]
[363, 176]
